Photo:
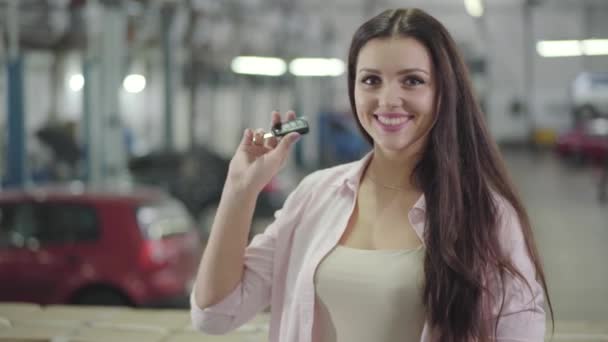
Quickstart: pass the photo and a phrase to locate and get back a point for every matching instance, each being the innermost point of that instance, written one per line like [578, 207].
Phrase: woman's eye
[370, 80]
[413, 81]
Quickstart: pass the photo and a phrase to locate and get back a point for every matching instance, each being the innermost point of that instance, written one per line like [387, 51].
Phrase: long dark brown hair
[459, 172]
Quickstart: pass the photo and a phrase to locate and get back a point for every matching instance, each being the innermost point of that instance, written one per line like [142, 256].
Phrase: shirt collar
[352, 177]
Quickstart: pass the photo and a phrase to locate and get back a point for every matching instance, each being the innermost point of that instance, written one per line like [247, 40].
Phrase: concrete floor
[571, 229]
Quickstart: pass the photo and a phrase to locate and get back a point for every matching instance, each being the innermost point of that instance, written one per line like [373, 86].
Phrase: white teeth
[392, 121]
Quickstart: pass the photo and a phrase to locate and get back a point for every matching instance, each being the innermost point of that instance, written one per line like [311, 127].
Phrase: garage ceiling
[267, 27]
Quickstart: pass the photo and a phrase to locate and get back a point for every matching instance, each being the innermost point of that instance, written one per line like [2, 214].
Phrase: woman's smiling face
[395, 93]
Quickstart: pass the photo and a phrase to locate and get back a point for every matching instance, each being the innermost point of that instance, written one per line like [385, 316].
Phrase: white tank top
[369, 295]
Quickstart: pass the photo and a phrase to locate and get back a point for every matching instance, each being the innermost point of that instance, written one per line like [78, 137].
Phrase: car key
[299, 125]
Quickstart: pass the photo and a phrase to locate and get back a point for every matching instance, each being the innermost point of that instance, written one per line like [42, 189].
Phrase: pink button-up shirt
[280, 264]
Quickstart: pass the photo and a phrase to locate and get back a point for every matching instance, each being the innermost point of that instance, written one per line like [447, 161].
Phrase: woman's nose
[390, 97]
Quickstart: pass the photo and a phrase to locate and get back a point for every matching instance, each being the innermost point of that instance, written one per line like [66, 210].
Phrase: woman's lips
[392, 122]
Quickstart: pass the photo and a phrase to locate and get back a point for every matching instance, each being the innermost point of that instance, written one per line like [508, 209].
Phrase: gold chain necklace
[369, 175]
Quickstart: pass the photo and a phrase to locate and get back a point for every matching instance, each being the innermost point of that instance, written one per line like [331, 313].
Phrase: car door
[17, 227]
[57, 261]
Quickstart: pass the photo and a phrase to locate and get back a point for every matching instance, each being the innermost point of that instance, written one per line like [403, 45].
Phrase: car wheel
[101, 297]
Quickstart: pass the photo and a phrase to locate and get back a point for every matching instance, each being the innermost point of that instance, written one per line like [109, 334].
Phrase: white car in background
[590, 95]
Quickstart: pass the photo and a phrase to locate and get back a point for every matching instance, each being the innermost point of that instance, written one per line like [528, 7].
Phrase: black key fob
[299, 125]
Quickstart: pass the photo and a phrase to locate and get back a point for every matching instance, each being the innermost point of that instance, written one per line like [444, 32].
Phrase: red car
[589, 141]
[66, 245]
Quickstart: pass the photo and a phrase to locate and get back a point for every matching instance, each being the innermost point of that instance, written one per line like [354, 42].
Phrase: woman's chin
[392, 147]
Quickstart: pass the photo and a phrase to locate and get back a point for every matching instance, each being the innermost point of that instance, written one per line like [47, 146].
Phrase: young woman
[424, 239]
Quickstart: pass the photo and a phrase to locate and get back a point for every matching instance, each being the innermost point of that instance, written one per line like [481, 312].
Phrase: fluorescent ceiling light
[569, 48]
[559, 48]
[134, 83]
[474, 7]
[595, 47]
[76, 82]
[264, 66]
[317, 67]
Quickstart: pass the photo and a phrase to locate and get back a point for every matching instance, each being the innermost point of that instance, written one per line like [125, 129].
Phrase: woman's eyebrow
[400, 72]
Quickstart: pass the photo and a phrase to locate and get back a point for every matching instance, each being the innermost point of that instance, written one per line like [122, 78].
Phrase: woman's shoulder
[314, 191]
[499, 200]
[331, 176]
[504, 207]
[509, 224]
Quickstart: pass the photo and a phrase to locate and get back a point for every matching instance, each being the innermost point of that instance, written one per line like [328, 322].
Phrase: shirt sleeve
[253, 293]
[523, 315]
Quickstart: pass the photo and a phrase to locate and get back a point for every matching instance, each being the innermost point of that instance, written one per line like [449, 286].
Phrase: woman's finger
[247, 137]
[276, 118]
[291, 115]
[272, 142]
[258, 137]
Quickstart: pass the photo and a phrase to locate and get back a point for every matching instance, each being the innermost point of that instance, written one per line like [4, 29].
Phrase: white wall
[3, 115]
[69, 103]
[506, 78]
[36, 89]
[551, 76]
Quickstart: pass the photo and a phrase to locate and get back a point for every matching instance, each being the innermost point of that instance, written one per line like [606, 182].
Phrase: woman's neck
[392, 170]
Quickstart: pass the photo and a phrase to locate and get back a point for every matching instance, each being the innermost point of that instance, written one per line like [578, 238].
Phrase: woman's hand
[258, 160]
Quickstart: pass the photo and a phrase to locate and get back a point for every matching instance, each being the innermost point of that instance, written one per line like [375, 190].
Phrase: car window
[17, 224]
[163, 219]
[66, 222]
[33, 223]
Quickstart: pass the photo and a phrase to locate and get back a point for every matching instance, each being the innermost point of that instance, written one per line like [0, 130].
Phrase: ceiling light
[595, 47]
[76, 82]
[134, 83]
[559, 48]
[264, 66]
[474, 7]
[317, 67]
